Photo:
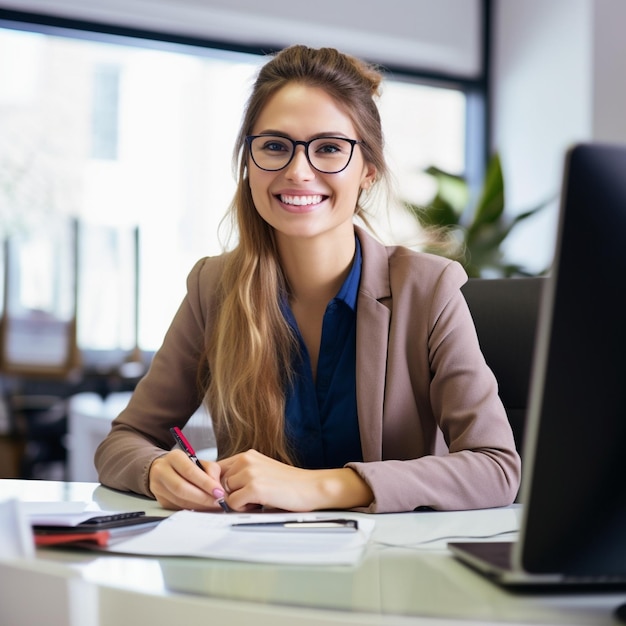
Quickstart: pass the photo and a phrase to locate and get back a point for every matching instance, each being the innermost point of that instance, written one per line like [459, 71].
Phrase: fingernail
[217, 493]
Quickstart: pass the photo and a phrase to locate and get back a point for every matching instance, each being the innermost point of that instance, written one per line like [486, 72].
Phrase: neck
[316, 267]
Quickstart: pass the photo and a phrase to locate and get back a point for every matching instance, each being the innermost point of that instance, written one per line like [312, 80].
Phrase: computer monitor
[574, 489]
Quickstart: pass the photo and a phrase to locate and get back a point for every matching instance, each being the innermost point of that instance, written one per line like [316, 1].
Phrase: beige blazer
[433, 430]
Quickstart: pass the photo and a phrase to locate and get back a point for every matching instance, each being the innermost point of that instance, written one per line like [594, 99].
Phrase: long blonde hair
[251, 348]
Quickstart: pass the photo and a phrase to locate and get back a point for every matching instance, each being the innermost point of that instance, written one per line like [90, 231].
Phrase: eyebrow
[280, 133]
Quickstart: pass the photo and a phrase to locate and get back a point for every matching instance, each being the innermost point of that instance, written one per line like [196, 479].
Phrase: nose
[299, 168]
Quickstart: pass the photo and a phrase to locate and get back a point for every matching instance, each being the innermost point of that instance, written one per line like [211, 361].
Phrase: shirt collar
[350, 289]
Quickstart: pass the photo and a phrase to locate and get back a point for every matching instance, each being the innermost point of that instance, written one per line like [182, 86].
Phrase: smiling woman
[325, 389]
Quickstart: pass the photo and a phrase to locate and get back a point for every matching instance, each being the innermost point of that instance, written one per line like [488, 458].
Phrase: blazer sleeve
[166, 396]
[446, 442]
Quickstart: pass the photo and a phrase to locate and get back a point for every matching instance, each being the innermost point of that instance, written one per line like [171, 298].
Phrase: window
[37, 331]
[124, 137]
[105, 107]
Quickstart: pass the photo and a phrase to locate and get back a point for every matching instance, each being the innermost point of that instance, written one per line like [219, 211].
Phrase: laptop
[573, 527]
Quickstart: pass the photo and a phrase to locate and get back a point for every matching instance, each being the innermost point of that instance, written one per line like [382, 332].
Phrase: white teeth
[301, 200]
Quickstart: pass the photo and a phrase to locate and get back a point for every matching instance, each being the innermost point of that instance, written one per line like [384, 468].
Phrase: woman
[339, 373]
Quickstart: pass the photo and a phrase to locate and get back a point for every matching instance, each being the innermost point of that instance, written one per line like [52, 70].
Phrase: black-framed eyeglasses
[328, 155]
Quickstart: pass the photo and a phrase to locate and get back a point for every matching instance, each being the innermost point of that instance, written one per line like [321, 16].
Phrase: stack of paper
[212, 535]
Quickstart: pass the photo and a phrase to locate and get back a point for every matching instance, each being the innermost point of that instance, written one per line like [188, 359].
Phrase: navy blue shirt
[321, 416]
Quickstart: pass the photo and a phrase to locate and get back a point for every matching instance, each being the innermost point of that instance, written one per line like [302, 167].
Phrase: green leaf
[451, 189]
[478, 231]
[490, 205]
[439, 213]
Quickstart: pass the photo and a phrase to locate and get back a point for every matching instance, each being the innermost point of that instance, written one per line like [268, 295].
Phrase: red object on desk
[100, 538]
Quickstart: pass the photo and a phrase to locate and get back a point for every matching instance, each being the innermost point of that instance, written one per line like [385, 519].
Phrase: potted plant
[472, 234]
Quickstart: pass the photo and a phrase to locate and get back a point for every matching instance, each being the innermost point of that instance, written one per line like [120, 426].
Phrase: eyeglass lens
[325, 154]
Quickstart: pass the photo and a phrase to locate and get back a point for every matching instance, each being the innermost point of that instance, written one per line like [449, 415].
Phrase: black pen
[297, 525]
[182, 441]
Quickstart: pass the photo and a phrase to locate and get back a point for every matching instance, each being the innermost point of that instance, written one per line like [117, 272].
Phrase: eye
[329, 146]
[275, 145]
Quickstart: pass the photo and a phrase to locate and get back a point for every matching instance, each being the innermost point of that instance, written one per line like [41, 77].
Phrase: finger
[184, 495]
[226, 464]
[206, 477]
[178, 483]
[220, 492]
[213, 469]
[229, 469]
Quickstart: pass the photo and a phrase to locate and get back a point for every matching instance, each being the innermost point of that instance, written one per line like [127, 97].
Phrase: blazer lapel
[372, 332]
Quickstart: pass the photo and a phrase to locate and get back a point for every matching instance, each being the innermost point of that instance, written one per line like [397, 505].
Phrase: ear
[369, 176]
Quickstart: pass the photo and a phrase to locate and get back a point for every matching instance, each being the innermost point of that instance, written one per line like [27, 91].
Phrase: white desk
[391, 586]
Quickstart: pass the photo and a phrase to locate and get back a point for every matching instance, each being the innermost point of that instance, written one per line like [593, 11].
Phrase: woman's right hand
[177, 483]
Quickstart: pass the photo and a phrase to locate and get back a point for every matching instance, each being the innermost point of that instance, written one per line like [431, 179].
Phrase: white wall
[559, 77]
[609, 71]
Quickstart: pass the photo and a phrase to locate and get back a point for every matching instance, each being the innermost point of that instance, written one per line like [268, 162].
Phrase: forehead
[297, 109]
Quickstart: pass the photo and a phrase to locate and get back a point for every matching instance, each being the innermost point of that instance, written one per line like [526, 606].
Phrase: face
[298, 201]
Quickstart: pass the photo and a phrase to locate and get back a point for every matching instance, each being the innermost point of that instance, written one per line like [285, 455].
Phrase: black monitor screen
[574, 485]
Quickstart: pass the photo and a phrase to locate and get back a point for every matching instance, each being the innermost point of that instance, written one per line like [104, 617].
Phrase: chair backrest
[505, 312]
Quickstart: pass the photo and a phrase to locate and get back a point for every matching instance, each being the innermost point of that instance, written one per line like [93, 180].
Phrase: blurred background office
[117, 120]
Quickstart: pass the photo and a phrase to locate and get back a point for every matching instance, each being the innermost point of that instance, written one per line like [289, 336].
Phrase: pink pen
[182, 441]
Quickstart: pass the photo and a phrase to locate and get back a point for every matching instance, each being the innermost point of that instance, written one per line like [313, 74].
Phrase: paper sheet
[58, 513]
[190, 533]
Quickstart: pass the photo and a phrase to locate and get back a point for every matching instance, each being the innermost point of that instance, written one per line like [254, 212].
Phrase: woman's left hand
[252, 479]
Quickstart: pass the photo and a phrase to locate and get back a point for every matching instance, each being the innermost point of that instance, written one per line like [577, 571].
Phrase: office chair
[505, 312]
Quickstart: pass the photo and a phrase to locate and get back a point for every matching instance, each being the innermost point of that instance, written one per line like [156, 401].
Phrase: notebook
[573, 527]
[101, 528]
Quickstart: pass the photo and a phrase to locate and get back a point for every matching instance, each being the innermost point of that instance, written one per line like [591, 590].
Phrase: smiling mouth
[301, 200]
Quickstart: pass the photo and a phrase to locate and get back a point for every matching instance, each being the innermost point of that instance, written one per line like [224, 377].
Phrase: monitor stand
[620, 613]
